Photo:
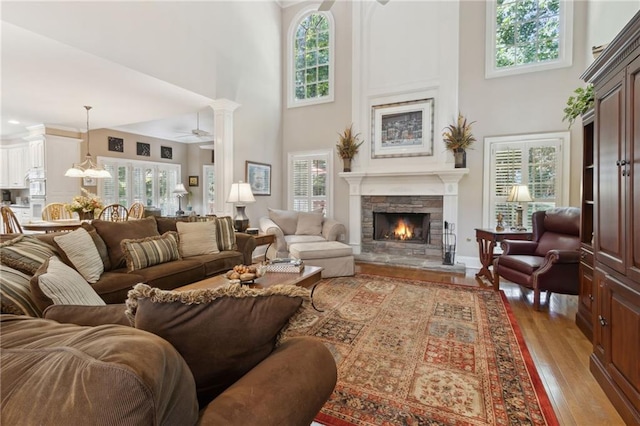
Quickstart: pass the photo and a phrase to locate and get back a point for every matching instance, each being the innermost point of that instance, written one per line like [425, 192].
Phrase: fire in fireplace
[401, 227]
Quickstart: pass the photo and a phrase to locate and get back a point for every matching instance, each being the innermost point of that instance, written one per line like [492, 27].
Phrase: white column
[355, 210]
[223, 152]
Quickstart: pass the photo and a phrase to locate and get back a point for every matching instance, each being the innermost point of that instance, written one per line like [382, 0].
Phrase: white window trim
[301, 155]
[291, 98]
[129, 163]
[565, 58]
[563, 166]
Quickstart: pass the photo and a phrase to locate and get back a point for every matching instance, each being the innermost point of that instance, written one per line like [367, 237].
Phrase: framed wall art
[403, 129]
[115, 144]
[166, 152]
[143, 149]
[88, 181]
[193, 181]
[259, 177]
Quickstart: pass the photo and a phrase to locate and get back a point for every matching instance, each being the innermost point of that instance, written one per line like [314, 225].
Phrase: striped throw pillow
[226, 233]
[65, 286]
[150, 251]
[15, 293]
[25, 253]
[81, 251]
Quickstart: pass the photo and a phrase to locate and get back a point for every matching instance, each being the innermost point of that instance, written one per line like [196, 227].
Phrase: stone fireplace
[402, 225]
[431, 193]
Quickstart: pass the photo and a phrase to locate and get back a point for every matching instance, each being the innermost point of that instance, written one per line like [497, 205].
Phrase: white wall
[220, 49]
[605, 19]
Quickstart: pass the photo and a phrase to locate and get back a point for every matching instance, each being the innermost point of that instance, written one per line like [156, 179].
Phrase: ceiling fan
[197, 132]
[326, 4]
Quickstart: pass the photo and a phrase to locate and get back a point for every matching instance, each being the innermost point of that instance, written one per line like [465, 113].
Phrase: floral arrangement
[457, 136]
[348, 143]
[86, 203]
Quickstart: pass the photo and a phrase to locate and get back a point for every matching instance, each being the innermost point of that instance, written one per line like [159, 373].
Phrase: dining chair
[10, 224]
[114, 213]
[136, 211]
[55, 211]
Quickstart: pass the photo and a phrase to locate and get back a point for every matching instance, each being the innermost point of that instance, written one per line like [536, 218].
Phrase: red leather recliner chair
[549, 262]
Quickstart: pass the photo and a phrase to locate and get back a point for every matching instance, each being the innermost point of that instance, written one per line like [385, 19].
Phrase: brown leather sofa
[550, 261]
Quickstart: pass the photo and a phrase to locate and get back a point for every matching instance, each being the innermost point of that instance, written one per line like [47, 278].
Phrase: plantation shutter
[309, 181]
[138, 184]
[535, 163]
[109, 193]
[301, 186]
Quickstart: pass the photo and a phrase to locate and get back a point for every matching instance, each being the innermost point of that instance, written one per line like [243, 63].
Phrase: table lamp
[240, 193]
[180, 192]
[519, 194]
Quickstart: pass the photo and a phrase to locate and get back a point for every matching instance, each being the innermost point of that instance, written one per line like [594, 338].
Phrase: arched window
[310, 53]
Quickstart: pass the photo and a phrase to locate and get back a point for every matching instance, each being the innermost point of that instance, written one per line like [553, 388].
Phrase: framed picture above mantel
[402, 129]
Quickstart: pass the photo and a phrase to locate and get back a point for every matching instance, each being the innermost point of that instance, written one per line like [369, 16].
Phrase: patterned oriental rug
[422, 353]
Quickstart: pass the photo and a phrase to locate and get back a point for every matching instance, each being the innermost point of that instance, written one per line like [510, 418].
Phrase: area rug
[420, 353]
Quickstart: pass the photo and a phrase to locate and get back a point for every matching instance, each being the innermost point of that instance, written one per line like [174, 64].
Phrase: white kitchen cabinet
[15, 165]
[36, 154]
[22, 213]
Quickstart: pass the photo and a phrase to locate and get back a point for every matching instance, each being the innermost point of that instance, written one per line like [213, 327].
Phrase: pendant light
[88, 168]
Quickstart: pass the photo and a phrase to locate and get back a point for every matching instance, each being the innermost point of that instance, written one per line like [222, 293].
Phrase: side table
[264, 240]
[487, 239]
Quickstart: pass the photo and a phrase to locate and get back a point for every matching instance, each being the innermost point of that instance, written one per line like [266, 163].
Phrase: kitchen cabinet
[22, 213]
[14, 160]
[615, 363]
[36, 154]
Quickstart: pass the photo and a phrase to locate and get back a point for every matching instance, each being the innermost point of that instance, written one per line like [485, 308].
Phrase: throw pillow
[79, 248]
[221, 333]
[309, 223]
[15, 293]
[65, 286]
[25, 253]
[145, 252]
[99, 243]
[287, 220]
[114, 232]
[197, 238]
[226, 233]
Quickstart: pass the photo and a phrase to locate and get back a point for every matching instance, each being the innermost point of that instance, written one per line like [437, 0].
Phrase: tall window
[528, 35]
[147, 182]
[309, 182]
[311, 59]
[537, 161]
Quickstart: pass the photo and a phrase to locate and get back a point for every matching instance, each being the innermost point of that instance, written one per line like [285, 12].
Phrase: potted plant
[348, 145]
[578, 104]
[458, 138]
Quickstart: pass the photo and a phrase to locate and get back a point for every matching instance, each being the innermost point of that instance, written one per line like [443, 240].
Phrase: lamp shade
[180, 190]
[519, 193]
[88, 168]
[240, 193]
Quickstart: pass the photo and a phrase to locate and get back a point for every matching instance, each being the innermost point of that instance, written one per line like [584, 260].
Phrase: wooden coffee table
[308, 278]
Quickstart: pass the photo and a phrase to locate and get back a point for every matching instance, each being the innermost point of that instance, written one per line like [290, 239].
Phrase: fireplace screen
[401, 227]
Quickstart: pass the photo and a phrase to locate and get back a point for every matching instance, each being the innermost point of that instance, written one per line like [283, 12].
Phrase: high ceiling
[47, 82]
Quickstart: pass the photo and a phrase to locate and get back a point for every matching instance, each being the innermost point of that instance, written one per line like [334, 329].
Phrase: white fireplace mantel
[428, 182]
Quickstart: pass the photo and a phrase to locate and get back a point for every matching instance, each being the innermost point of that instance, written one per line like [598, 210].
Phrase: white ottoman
[335, 258]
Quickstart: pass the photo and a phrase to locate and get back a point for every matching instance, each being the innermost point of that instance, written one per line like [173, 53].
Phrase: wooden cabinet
[615, 361]
[587, 287]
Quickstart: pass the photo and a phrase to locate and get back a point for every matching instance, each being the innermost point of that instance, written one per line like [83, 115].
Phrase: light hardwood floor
[558, 348]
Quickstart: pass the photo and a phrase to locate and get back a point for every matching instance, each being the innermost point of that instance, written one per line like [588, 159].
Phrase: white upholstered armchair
[291, 227]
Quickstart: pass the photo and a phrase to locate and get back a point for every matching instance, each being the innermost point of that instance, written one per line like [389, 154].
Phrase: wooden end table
[487, 239]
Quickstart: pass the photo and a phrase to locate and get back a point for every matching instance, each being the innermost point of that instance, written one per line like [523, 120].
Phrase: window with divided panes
[533, 160]
[309, 182]
[147, 182]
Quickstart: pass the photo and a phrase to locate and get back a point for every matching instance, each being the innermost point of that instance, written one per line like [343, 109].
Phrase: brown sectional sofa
[116, 281]
[96, 365]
